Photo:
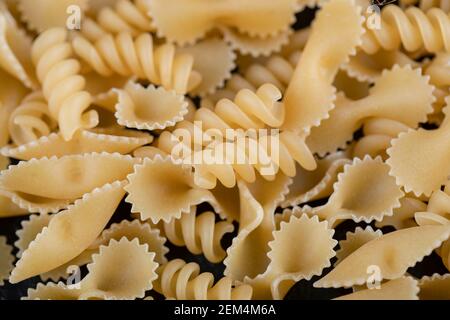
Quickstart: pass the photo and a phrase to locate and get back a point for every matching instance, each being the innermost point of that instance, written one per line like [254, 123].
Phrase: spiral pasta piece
[30, 120]
[62, 85]
[128, 56]
[183, 281]
[412, 28]
[126, 15]
[428, 4]
[200, 234]
[266, 152]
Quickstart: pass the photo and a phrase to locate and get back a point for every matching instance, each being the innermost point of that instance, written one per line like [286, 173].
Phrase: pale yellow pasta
[247, 255]
[11, 93]
[199, 233]
[300, 249]
[30, 120]
[403, 216]
[383, 102]
[368, 67]
[15, 49]
[184, 22]
[119, 141]
[412, 28]
[123, 15]
[106, 279]
[364, 192]
[68, 234]
[310, 94]
[41, 15]
[70, 176]
[149, 108]
[405, 288]
[436, 287]
[254, 46]
[410, 160]
[317, 184]
[183, 281]
[62, 85]
[378, 133]
[354, 240]
[160, 189]
[214, 59]
[126, 55]
[392, 253]
[6, 260]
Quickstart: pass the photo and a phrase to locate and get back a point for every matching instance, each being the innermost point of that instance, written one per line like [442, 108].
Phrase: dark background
[303, 290]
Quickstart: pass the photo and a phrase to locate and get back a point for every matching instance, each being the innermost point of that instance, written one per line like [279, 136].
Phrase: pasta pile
[94, 149]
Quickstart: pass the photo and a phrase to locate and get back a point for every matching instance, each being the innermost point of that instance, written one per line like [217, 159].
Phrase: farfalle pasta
[226, 149]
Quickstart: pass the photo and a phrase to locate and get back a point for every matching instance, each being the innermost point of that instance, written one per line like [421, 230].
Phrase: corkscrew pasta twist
[183, 281]
[30, 120]
[200, 234]
[128, 56]
[267, 153]
[126, 15]
[428, 4]
[412, 28]
[62, 85]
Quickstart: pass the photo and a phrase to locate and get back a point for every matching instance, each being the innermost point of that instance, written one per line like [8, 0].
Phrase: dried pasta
[287, 158]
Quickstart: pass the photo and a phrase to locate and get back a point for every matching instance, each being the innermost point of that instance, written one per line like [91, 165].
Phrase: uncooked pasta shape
[392, 253]
[6, 260]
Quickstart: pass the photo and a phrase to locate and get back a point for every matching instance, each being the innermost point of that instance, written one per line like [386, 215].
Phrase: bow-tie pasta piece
[107, 279]
[6, 260]
[399, 289]
[183, 281]
[149, 108]
[123, 269]
[403, 216]
[123, 142]
[254, 46]
[247, 255]
[355, 240]
[364, 192]
[30, 229]
[199, 233]
[310, 93]
[52, 291]
[70, 232]
[300, 249]
[419, 159]
[135, 230]
[161, 189]
[317, 184]
[214, 59]
[392, 253]
[7, 207]
[186, 21]
[436, 287]
[15, 48]
[383, 102]
[365, 67]
[66, 178]
[41, 15]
